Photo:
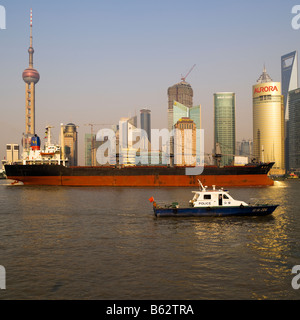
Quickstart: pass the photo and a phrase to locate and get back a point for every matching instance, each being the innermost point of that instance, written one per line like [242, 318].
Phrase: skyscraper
[182, 111]
[91, 147]
[294, 130]
[289, 77]
[185, 147]
[71, 144]
[133, 121]
[146, 122]
[126, 140]
[268, 123]
[88, 152]
[181, 92]
[31, 78]
[289, 81]
[244, 148]
[195, 115]
[179, 111]
[224, 125]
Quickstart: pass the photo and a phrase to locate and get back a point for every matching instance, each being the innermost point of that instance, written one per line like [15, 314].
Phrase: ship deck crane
[217, 155]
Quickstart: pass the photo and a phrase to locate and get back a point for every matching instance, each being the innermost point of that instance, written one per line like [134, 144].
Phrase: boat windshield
[196, 196]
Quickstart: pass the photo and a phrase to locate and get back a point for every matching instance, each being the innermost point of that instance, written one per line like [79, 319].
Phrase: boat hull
[59, 175]
[215, 211]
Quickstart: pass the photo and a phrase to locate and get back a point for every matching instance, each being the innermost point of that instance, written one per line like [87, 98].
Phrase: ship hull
[58, 175]
[254, 211]
[146, 181]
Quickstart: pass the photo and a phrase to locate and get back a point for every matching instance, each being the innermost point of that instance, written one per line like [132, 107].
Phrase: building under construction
[181, 92]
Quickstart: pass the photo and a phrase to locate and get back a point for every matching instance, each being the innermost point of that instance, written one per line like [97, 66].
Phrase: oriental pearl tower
[31, 78]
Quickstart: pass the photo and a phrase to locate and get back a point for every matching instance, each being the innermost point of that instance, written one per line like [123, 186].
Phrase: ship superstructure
[50, 154]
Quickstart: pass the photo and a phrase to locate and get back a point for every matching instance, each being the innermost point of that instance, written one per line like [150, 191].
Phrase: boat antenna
[201, 185]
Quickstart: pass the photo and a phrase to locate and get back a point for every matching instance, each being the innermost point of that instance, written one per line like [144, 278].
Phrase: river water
[105, 243]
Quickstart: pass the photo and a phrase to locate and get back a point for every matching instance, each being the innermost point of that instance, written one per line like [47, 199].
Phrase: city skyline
[102, 61]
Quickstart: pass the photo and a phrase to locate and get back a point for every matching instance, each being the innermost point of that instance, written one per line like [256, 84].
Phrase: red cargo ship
[139, 176]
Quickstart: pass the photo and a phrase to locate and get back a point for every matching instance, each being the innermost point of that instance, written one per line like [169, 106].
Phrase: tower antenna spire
[31, 51]
[31, 22]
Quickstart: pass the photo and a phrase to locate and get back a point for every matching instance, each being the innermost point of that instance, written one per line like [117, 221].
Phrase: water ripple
[104, 243]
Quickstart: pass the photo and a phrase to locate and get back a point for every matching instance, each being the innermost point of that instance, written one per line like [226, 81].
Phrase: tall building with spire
[31, 77]
[289, 78]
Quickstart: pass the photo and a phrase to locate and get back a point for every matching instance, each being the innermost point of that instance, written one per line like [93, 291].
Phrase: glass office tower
[146, 122]
[289, 77]
[294, 130]
[224, 125]
[289, 81]
[182, 111]
[179, 111]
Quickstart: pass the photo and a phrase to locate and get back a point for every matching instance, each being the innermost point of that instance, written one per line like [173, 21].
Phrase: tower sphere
[31, 75]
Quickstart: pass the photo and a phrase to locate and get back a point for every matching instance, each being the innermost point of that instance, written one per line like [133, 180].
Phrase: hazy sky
[103, 60]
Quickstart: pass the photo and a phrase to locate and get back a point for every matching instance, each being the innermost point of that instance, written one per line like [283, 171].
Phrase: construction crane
[183, 78]
[92, 125]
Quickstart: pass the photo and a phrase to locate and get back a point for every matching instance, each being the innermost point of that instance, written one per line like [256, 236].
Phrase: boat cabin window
[225, 196]
[207, 197]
